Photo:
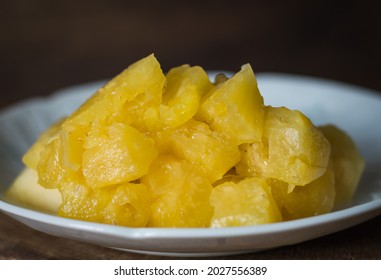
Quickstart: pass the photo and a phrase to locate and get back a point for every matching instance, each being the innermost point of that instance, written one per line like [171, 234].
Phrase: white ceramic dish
[354, 109]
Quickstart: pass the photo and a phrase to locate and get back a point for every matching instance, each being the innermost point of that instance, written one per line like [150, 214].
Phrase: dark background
[46, 45]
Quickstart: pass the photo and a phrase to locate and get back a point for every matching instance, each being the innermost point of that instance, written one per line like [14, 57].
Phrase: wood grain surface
[47, 45]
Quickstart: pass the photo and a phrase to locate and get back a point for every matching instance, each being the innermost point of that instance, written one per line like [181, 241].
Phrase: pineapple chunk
[125, 98]
[346, 162]
[313, 199]
[180, 192]
[235, 108]
[59, 161]
[125, 204]
[195, 142]
[72, 148]
[51, 173]
[116, 154]
[292, 149]
[175, 150]
[247, 202]
[181, 97]
[32, 156]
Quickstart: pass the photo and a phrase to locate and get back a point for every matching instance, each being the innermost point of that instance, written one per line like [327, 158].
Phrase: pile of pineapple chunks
[178, 150]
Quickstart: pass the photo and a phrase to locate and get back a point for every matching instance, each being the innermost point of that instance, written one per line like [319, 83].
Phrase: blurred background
[46, 45]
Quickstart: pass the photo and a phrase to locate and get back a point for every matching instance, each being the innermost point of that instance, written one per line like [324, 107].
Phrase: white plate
[354, 109]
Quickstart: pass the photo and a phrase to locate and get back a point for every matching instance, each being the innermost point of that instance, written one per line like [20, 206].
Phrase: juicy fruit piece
[91, 150]
[32, 156]
[51, 173]
[313, 199]
[177, 150]
[53, 168]
[180, 102]
[180, 192]
[346, 162]
[247, 202]
[235, 107]
[292, 149]
[125, 205]
[116, 154]
[125, 98]
[72, 148]
[196, 142]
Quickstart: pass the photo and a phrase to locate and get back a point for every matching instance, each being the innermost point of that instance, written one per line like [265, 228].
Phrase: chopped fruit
[235, 107]
[180, 193]
[181, 98]
[196, 142]
[116, 154]
[313, 199]
[125, 205]
[51, 174]
[245, 203]
[32, 156]
[55, 168]
[292, 149]
[125, 98]
[179, 150]
[346, 162]
[72, 149]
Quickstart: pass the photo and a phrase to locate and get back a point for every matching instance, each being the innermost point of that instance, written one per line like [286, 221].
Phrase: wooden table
[46, 46]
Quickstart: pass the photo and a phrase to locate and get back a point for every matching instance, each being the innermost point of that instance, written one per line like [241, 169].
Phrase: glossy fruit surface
[346, 162]
[178, 150]
[180, 191]
[292, 149]
[244, 203]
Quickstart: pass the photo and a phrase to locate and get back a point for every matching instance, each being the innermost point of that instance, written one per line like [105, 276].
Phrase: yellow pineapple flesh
[180, 101]
[315, 198]
[32, 156]
[244, 203]
[180, 192]
[196, 142]
[235, 107]
[292, 149]
[346, 162]
[179, 150]
[125, 204]
[116, 154]
[125, 98]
